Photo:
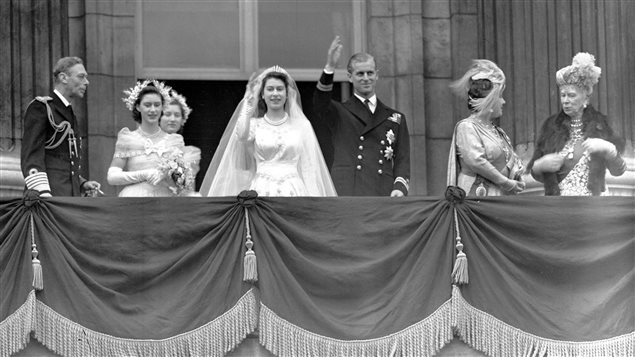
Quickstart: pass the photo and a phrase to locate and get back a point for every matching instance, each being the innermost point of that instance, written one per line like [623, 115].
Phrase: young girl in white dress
[141, 160]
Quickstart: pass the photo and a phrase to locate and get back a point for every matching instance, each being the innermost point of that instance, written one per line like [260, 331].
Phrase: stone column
[450, 39]
[394, 37]
[32, 42]
[110, 50]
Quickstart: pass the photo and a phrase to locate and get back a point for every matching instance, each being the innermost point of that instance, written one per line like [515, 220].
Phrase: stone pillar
[110, 50]
[450, 40]
[394, 37]
[32, 42]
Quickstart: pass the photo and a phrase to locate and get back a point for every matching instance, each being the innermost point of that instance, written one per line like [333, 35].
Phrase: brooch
[395, 117]
[389, 152]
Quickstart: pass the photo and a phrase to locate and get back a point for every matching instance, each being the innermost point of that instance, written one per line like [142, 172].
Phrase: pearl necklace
[276, 123]
[575, 136]
[149, 136]
[502, 142]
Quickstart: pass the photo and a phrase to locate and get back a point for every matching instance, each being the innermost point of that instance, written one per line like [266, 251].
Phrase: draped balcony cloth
[356, 276]
[336, 276]
[550, 276]
[126, 276]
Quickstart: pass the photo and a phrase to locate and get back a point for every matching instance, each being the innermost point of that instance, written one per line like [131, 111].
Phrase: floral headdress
[582, 72]
[481, 69]
[133, 92]
[181, 100]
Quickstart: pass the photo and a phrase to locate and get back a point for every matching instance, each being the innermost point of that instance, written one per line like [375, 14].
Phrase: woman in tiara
[577, 145]
[148, 162]
[269, 145]
[174, 117]
[482, 159]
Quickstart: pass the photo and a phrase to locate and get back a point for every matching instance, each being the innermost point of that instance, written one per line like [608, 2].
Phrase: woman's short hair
[479, 88]
[176, 102]
[149, 89]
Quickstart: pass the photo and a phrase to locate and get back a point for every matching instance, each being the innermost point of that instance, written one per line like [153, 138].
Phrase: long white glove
[116, 176]
[244, 119]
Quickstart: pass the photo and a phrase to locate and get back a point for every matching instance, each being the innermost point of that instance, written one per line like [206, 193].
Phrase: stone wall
[394, 37]
[110, 56]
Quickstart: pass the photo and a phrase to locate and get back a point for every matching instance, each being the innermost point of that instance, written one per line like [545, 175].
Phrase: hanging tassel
[459, 272]
[250, 265]
[38, 281]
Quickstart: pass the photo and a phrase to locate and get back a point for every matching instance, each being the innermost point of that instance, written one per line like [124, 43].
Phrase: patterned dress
[581, 174]
[277, 151]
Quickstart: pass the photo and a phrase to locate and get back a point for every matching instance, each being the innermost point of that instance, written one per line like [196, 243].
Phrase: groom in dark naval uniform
[50, 154]
[370, 140]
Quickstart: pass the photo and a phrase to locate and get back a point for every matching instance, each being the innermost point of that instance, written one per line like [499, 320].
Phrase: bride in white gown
[269, 145]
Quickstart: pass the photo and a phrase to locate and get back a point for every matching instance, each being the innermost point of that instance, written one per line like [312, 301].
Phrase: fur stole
[554, 135]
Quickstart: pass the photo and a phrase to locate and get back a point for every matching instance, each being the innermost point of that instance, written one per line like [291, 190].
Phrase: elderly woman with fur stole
[577, 145]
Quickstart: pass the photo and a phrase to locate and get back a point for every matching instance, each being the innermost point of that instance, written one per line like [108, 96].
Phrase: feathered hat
[481, 69]
[582, 72]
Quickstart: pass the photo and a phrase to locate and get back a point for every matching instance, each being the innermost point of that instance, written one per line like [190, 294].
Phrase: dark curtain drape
[127, 268]
[335, 276]
[560, 268]
[354, 269]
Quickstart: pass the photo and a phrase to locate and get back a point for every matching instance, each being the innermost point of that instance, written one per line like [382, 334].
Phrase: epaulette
[43, 99]
[64, 127]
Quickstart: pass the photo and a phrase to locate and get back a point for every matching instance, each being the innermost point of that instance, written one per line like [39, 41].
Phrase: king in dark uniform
[50, 154]
[370, 140]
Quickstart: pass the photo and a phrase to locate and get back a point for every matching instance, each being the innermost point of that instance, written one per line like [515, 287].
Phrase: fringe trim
[216, 338]
[15, 330]
[424, 338]
[494, 337]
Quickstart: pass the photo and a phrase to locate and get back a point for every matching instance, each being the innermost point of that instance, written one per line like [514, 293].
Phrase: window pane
[297, 33]
[191, 34]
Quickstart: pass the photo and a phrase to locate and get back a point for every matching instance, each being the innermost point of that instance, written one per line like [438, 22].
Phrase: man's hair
[359, 57]
[63, 65]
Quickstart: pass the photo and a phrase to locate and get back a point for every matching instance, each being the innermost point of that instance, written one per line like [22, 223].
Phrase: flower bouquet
[179, 171]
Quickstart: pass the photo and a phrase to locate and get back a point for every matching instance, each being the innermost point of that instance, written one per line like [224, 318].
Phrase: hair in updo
[479, 88]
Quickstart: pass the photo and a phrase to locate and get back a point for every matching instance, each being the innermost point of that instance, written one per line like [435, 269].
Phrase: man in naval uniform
[370, 140]
[50, 154]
